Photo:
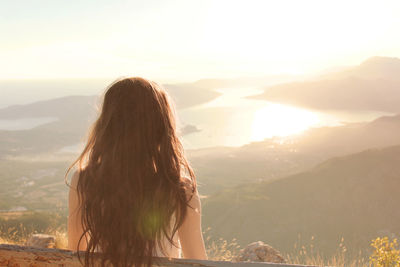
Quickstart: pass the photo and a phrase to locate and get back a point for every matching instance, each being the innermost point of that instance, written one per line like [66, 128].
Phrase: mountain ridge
[373, 85]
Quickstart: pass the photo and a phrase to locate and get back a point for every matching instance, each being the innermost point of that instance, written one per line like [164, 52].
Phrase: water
[20, 92]
[72, 148]
[25, 123]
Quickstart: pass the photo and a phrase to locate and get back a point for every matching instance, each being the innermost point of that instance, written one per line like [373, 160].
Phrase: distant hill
[69, 107]
[373, 85]
[356, 197]
[387, 68]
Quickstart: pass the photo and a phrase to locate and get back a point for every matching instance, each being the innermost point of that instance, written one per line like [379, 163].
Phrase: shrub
[386, 253]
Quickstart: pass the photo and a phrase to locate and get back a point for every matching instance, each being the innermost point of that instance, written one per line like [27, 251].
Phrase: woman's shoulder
[75, 178]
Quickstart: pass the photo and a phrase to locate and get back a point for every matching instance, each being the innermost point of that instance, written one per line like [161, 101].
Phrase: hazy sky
[173, 40]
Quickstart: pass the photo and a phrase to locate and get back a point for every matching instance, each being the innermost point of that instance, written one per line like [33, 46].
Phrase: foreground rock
[41, 241]
[260, 252]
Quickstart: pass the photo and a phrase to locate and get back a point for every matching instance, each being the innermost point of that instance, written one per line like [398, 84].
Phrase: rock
[260, 252]
[41, 241]
[188, 129]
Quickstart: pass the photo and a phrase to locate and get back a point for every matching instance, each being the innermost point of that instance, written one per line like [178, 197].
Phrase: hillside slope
[356, 197]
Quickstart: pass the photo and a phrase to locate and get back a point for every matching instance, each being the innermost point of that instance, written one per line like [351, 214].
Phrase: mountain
[69, 107]
[387, 68]
[355, 197]
[373, 85]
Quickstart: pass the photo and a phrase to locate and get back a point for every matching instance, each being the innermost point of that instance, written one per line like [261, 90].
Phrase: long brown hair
[131, 176]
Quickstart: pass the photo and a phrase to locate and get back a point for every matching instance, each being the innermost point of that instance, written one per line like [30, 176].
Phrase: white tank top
[171, 250]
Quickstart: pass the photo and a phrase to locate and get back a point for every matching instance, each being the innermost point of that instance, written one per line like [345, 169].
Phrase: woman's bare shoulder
[75, 179]
[76, 176]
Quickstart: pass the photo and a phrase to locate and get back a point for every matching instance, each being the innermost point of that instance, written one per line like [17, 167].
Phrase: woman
[134, 195]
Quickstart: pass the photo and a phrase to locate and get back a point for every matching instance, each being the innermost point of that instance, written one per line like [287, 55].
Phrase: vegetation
[32, 185]
[220, 249]
[309, 254]
[386, 253]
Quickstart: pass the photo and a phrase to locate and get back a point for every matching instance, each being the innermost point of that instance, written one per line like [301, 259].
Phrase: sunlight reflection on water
[281, 120]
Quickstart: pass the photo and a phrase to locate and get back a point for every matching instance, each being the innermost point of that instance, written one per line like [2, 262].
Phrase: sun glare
[185, 40]
[281, 120]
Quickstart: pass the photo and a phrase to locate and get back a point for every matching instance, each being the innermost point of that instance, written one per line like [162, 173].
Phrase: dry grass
[61, 239]
[310, 255]
[220, 249]
[4, 241]
[317, 259]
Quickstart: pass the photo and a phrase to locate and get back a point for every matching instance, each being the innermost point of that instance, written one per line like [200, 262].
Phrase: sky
[186, 40]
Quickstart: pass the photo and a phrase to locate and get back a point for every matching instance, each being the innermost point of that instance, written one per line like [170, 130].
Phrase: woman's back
[129, 197]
